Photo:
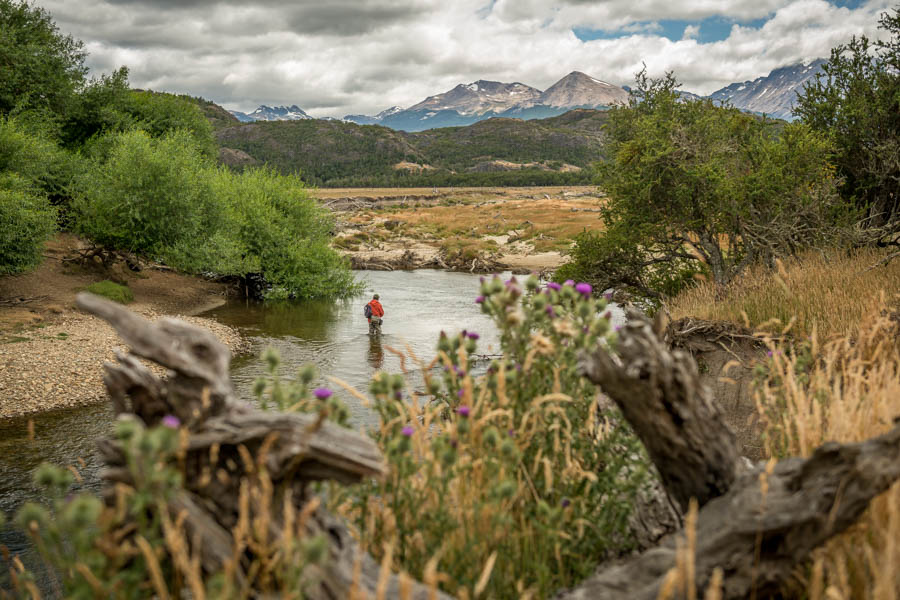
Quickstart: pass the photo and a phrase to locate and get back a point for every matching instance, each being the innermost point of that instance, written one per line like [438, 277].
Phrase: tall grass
[830, 293]
[844, 390]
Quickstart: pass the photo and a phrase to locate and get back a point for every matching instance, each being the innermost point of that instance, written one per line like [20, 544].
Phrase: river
[332, 335]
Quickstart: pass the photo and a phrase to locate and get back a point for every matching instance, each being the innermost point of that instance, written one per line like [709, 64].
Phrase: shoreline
[61, 364]
[52, 354]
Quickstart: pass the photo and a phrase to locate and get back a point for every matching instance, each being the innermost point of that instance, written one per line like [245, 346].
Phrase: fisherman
[374, 311]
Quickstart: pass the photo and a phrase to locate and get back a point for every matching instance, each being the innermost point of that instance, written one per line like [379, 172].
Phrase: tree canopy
[698, 187]
[40, 68]
[856, 102]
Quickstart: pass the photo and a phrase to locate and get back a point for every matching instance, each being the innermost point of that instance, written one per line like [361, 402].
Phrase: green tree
[856, 101]
[40, 68]
[29, 166]
[699, 187]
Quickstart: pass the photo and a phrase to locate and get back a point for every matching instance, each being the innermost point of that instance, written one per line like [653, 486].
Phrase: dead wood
[756, 524]
[766, 525]
[661, 395]
[234, 447]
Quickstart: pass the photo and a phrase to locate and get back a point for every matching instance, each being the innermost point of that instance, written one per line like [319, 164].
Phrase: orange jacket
[377, 310]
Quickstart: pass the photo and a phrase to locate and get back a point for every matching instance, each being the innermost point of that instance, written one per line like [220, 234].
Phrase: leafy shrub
[36, 158]
[283, 233]
[26, 221]
[516, 478]
[112, 290]
[148, 196]
[164, 198]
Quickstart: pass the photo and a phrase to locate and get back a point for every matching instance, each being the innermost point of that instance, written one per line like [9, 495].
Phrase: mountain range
[469, 103]
[465, 104]
[774, 94]
[272, 113]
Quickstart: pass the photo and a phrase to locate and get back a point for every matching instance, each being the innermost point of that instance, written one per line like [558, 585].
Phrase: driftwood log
[757, 523]
[295, 449]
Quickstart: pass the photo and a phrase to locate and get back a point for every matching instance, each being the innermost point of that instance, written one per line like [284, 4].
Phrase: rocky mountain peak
[773, 94]
[579, 89]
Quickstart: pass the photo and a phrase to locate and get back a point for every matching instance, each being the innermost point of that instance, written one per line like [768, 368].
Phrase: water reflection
[375, 355]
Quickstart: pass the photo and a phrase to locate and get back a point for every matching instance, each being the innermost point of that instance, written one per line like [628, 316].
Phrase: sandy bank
[52, 354]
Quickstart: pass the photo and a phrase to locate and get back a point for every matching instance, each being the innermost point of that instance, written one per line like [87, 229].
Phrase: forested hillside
[492, 152]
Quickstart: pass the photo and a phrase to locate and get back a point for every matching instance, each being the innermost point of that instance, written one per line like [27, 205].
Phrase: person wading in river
[374, 311]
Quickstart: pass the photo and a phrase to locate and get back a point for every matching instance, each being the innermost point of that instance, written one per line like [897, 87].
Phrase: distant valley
[465, 104]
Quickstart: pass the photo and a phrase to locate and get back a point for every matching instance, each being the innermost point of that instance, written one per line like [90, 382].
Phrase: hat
[375, 296]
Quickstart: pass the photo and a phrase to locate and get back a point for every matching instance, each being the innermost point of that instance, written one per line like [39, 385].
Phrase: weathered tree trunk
[660, 394]
[233, 447]
[756, 525]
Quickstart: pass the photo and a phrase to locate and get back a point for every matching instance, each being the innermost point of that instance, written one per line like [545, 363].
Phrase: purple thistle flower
[617, 327]
[608, 295]
[459, 372]
[607, 315]
[584, 289]
[569, 282]
[479, 300]
[407, 431]
[553, 285]
[171, 421]
[322, 393]
[473, 336]
[769, 354]
[463, 410]
[512, 433]
[565, 503]
[550, 311]
[459, 394]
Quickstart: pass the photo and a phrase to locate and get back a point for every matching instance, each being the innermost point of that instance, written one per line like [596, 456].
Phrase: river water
[332, 335]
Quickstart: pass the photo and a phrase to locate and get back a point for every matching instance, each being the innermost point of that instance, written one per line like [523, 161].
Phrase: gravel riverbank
[60, 365]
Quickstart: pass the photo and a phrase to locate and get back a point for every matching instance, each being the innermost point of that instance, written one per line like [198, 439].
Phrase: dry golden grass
[845, 390]
[546, 223]
[330, 193]
[829, 293]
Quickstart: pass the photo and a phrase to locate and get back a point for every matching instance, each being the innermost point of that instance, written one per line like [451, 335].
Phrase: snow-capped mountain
[468, 103]
[270, 113]
[774, 94]
[578, 89]
[480, 97]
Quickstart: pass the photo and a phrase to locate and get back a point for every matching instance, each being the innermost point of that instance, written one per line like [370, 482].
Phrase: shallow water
[332, 335]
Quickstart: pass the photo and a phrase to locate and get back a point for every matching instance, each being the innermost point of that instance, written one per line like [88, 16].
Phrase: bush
[48, 169]
[283, 233]
[26, 221]
[516, 475]
[112, 290]
[164, 198]
[149, 196]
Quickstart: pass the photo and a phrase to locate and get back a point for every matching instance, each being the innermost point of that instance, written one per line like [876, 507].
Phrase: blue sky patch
[712, 29]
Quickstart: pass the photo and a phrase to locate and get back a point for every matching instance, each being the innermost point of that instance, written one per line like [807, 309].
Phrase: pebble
[48, 372]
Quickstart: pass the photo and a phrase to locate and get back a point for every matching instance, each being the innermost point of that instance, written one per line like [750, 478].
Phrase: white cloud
[341, 56]
[691, 32]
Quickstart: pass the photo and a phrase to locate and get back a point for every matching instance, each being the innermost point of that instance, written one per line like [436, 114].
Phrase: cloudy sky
[334, 57]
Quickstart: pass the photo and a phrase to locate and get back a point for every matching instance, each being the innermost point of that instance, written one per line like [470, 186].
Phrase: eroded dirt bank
[52, 354]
